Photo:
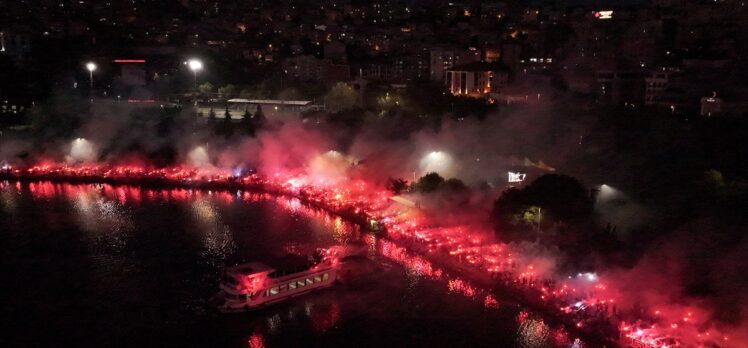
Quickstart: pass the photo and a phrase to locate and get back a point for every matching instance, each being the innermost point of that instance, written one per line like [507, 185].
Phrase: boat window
[325, 276]
[283, 287]
[318, 278]
[301, 283]
[309, 281]
[274, 291]
[291, 286]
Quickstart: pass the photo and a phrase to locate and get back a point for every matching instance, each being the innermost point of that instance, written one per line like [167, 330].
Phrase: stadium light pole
[90, 66]
[195, 65]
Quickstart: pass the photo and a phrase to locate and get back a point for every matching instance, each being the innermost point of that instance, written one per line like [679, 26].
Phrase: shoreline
[512, 290]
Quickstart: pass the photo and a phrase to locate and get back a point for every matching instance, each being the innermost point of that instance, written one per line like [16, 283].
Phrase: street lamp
[436, 161]
[195, 65]
[90, 66]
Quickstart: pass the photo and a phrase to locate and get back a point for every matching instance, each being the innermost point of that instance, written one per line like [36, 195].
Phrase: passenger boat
[253, 285]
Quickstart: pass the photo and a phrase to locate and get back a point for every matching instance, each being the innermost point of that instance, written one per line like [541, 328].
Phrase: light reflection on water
[257, 340]
[217, 239]
[92, 210]
[533, 333]
[162, 249]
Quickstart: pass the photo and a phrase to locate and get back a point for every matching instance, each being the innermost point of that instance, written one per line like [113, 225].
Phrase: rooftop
[271, 101]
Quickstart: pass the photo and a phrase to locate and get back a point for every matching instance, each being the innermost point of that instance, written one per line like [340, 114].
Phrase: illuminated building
[711, 106]
[606, 14]
[492, 54]
[307, 67]
[132, 71]
[655, 86]
[476, 80]
[11, 108]
[441, 60]
[510, 56]
[620, 87]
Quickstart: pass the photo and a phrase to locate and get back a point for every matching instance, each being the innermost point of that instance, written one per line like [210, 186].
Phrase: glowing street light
[81, 150]
[606, 193]
[90, 66]
[195, 65]
[436, 161]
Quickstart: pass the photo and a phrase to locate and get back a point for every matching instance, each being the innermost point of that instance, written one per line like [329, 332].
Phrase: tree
[247, 123]
[259, 118]
[429, 183]
[533, 216]
[246, 93]
[250, 124]
[60, 115]
[227, 91]
[454, 185]
[556, 197]
[341, 97]
[262, 90]
[226, 128]
[289, 94]
[509, 203]
[397, 186]
[206, 88]
[312, 89]
[714, 182]
[564, 197]
[390, 101]
[211, 116]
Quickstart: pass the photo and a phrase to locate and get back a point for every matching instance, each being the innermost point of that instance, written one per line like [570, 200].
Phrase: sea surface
[86, 265]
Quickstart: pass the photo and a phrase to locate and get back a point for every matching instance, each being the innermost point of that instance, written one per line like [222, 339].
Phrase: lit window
[301, 283]
[318, 278]
[325, 276]
[309, 281]
[291, 286]
[274, 291]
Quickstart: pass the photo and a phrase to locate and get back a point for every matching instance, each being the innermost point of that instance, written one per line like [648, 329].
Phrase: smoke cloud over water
[471, 150]
[199, 157]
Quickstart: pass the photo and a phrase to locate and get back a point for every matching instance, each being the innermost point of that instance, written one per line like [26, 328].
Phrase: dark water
[95, 266]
